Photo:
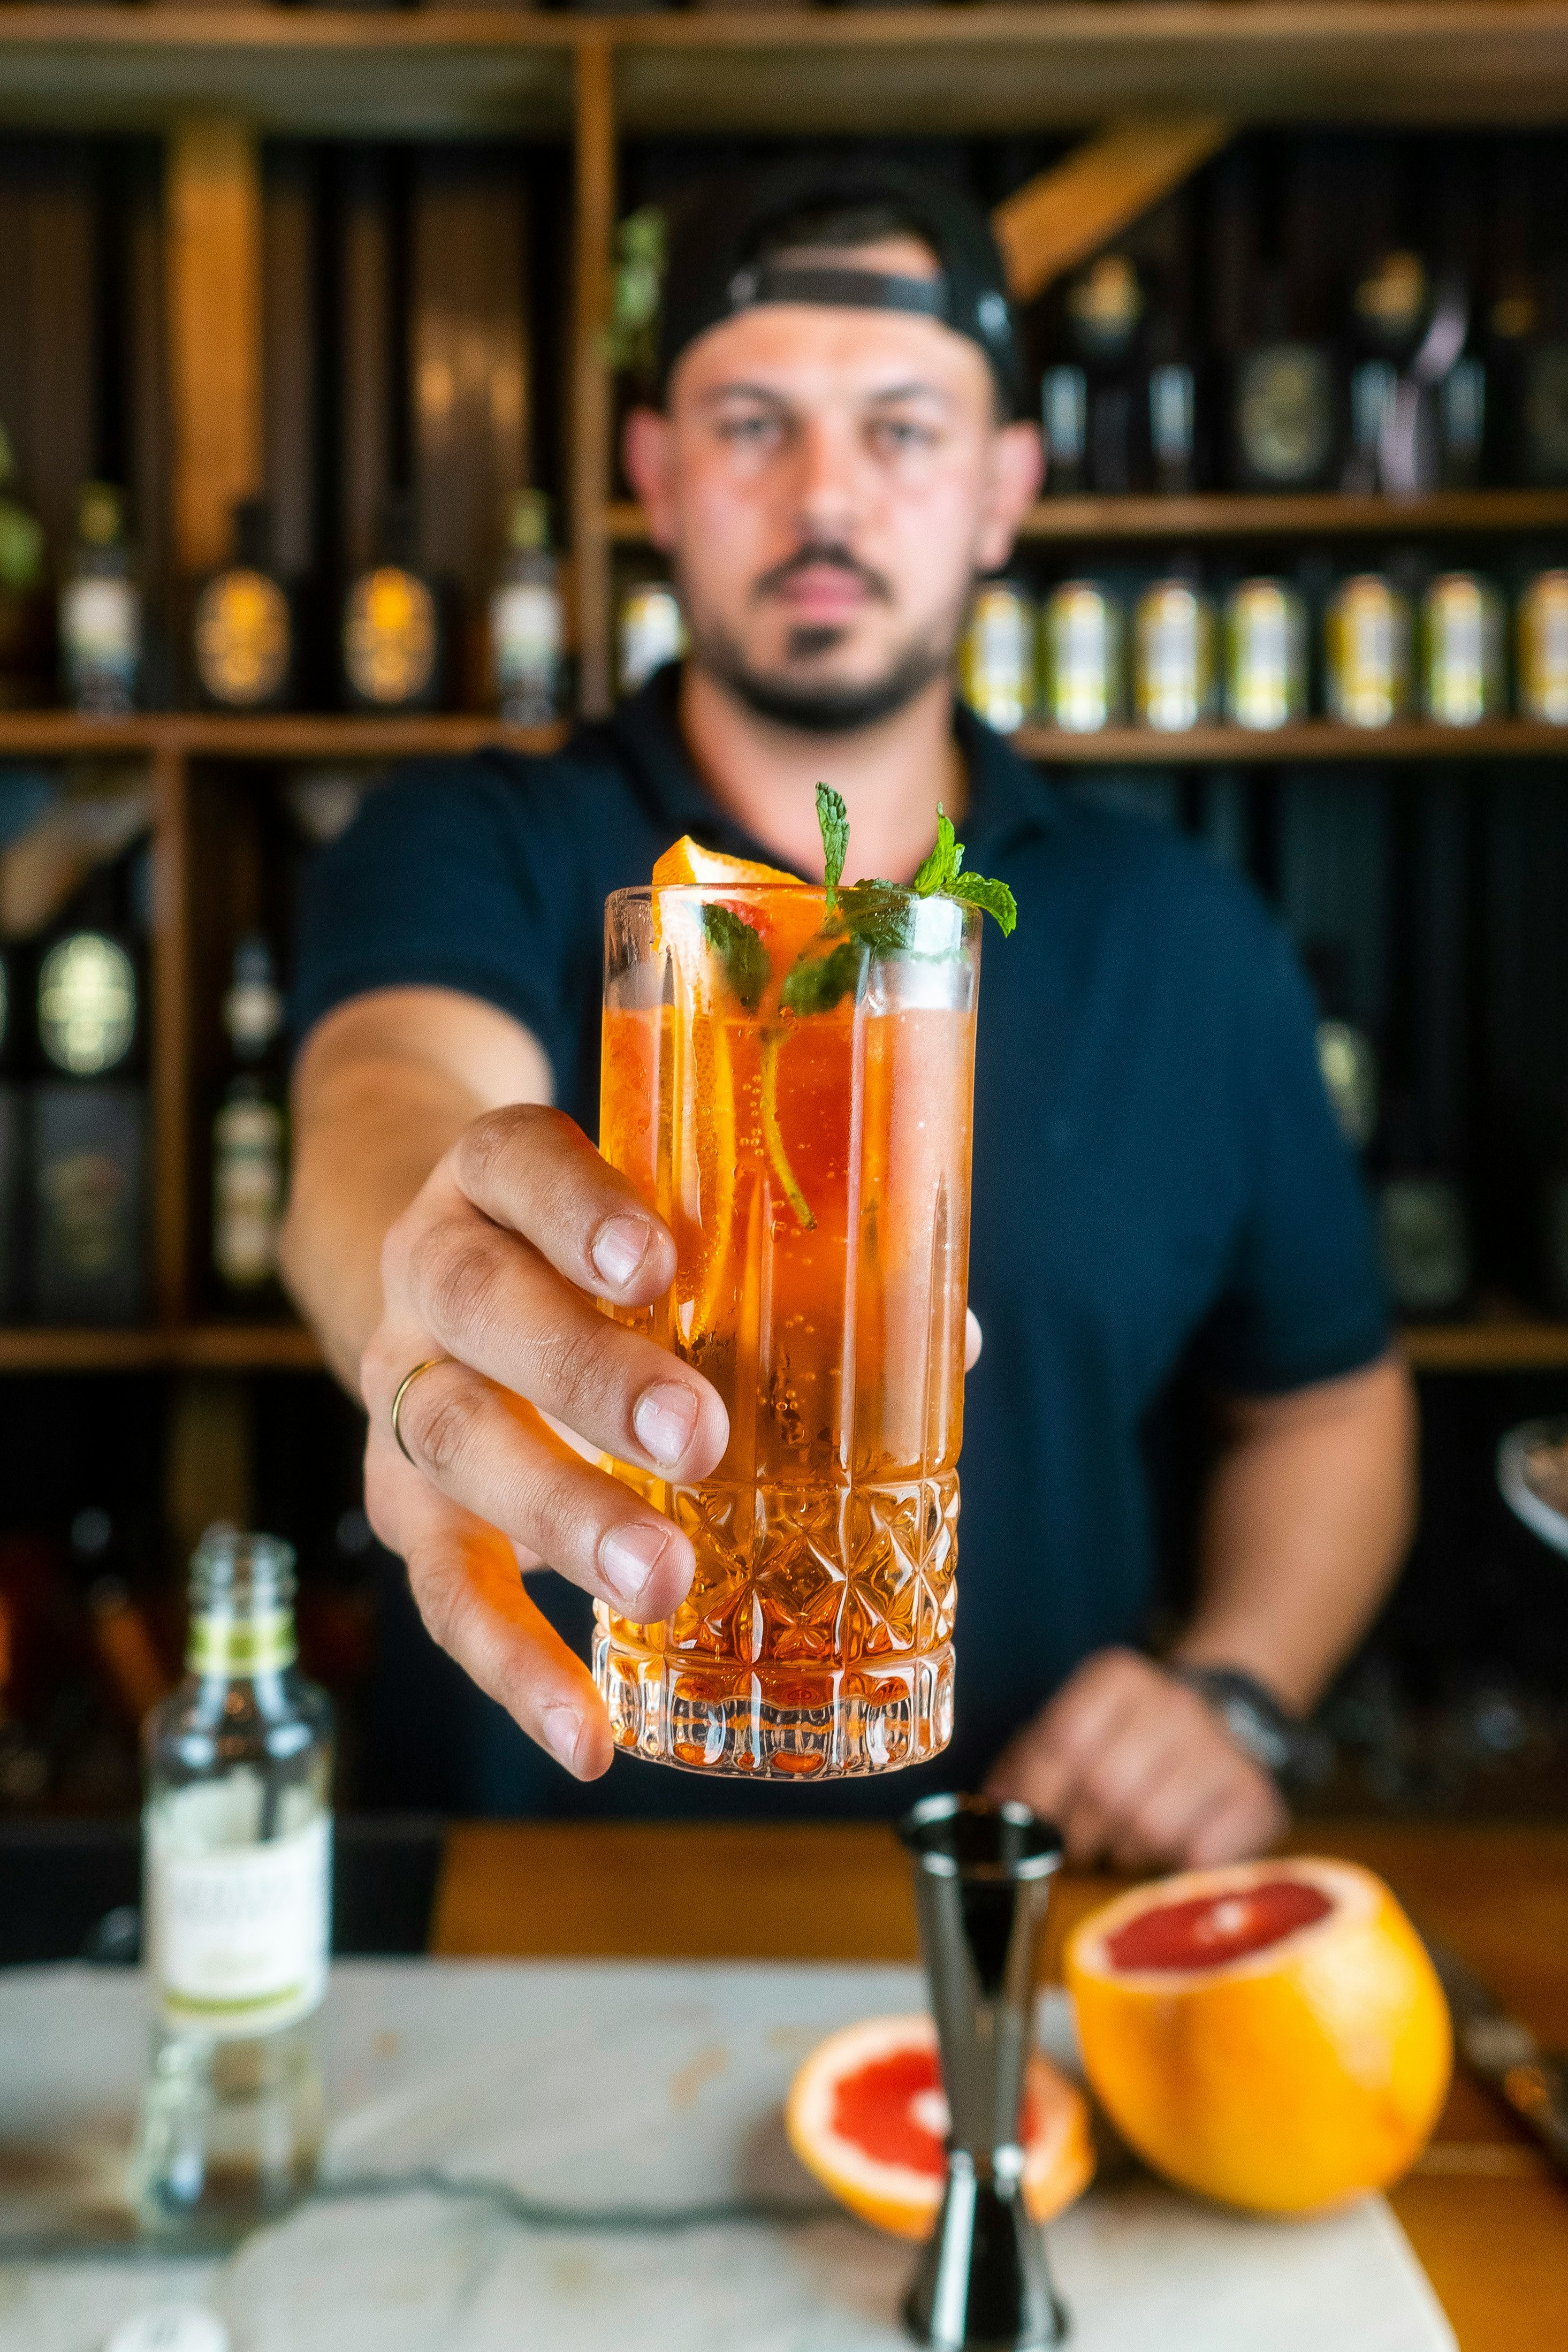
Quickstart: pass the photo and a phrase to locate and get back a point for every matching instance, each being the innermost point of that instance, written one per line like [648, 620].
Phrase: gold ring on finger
[403, 1385]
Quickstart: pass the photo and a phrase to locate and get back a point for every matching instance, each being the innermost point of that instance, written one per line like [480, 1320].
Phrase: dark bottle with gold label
[90, 1143]
[243, 637]
[1286, 430]
[1104, 308]
[393, 630]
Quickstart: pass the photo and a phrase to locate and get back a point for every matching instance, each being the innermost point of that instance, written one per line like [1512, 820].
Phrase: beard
[790, 696]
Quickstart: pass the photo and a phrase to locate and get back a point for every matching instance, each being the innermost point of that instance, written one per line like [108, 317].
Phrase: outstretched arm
[1307, 1519]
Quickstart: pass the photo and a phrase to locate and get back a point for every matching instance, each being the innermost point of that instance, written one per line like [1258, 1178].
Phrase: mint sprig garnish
[748, 966]
[816, 982]
[942, 876]
[833, 818]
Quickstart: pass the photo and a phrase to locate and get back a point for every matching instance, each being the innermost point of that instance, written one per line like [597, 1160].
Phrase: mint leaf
[834, 819]
[740, 949]
[880, 913]
[996, 898]
[939, 870]
[817, 983]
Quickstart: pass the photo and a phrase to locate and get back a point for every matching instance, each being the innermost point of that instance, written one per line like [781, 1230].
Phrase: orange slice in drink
[687, 861]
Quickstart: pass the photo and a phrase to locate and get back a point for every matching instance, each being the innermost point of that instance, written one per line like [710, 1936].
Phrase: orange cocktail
[796, 1100]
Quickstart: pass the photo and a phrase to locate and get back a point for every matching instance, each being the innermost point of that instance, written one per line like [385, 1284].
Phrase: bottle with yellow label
[1463, 638]
[1543, 648]
[1173, 656]
[1367, 652]
[394, 640]
[997, 659]
[1083, 642]
[245, 635]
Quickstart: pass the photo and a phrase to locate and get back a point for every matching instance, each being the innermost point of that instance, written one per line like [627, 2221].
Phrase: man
[1157, 1178]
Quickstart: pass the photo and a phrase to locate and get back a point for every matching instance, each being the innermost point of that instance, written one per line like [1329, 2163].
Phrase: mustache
[829, 555]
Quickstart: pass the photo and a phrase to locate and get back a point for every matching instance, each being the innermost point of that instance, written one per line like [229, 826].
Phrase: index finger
[533, 1170]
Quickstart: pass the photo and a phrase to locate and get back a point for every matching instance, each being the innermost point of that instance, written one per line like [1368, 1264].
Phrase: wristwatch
[1253, 1719]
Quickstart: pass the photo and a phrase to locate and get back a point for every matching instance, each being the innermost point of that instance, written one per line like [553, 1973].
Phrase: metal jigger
[982, 1875]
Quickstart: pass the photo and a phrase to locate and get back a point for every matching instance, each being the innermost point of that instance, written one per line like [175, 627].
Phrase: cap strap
[849, 290]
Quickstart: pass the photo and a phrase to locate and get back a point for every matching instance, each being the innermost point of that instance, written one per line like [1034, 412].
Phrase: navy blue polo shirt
[1158, 1181]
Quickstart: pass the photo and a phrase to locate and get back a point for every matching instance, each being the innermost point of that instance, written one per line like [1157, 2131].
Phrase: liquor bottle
[1366, 648]
[13, 1140]
[1064, 419]
[650, 631]
[1083, 650]
[250, 1135]
[393, 637]
[1104, 307]
[236, 1834]
[1423, 1225]
[1463, 650]
[87, 1188]
[998, 659]
[1173, 656]
[1542, 649]
[1285, 426]
[527, 621]
[244, 638]
[1264, 655]
[1172, 428]
[1551, 1267]
[101, 610]
[26, 636]
[1347, 1057]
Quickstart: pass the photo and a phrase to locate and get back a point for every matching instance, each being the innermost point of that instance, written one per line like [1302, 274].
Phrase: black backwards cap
[716, 239]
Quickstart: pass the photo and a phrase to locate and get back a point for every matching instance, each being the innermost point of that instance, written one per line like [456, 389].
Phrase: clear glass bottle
[250, 1134]
[236, 1903]
[101, 610]
[527, 623]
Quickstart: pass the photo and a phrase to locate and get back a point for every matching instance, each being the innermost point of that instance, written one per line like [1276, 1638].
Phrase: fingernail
[620, 1246]
[627, 1558]
[562, 1728]
[664, 1418]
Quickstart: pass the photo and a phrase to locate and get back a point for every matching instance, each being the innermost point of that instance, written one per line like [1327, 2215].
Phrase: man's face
[829, 482]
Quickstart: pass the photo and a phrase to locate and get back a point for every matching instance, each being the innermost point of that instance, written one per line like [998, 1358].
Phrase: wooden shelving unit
[1328, 515]
[585, 83]
[1313, 741]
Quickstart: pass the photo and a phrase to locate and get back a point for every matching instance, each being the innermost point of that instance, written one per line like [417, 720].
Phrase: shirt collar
[1007, 797]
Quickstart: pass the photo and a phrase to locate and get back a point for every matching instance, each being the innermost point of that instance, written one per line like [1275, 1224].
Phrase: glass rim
[708, 894]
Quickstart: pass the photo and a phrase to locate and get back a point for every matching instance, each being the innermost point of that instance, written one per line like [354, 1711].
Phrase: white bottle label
[238, 1936]
[100, 621]
[248, 1187]
[525, 631]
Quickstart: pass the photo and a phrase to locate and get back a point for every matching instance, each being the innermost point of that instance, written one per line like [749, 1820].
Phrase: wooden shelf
[437, 72]
[1330, 515]
[230, 1347]
[1315, 739]
[1504, 1342]
[63, 734]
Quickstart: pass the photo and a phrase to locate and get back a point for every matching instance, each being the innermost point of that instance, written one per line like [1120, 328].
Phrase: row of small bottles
[76, 1141]
[396, 635]
[1187, 658]
[1421, 389]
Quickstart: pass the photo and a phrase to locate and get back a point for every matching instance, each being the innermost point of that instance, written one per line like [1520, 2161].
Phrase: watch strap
[1254, 1720]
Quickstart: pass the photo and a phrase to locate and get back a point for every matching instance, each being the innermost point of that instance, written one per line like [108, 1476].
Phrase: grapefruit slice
[1272, 2034]
[867, 2115]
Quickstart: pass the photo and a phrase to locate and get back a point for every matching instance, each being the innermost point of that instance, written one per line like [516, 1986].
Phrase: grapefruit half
[1272, 2034]
[866, 2115]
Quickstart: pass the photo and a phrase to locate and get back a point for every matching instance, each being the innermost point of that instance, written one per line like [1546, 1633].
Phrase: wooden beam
[592, 455]
[213, 211]
[1095, 193]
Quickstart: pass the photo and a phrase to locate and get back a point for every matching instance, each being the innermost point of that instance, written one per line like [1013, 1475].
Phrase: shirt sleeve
[1304, 1301]
[440, 883]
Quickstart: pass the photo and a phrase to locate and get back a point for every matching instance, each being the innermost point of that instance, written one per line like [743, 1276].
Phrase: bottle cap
[529, 527]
